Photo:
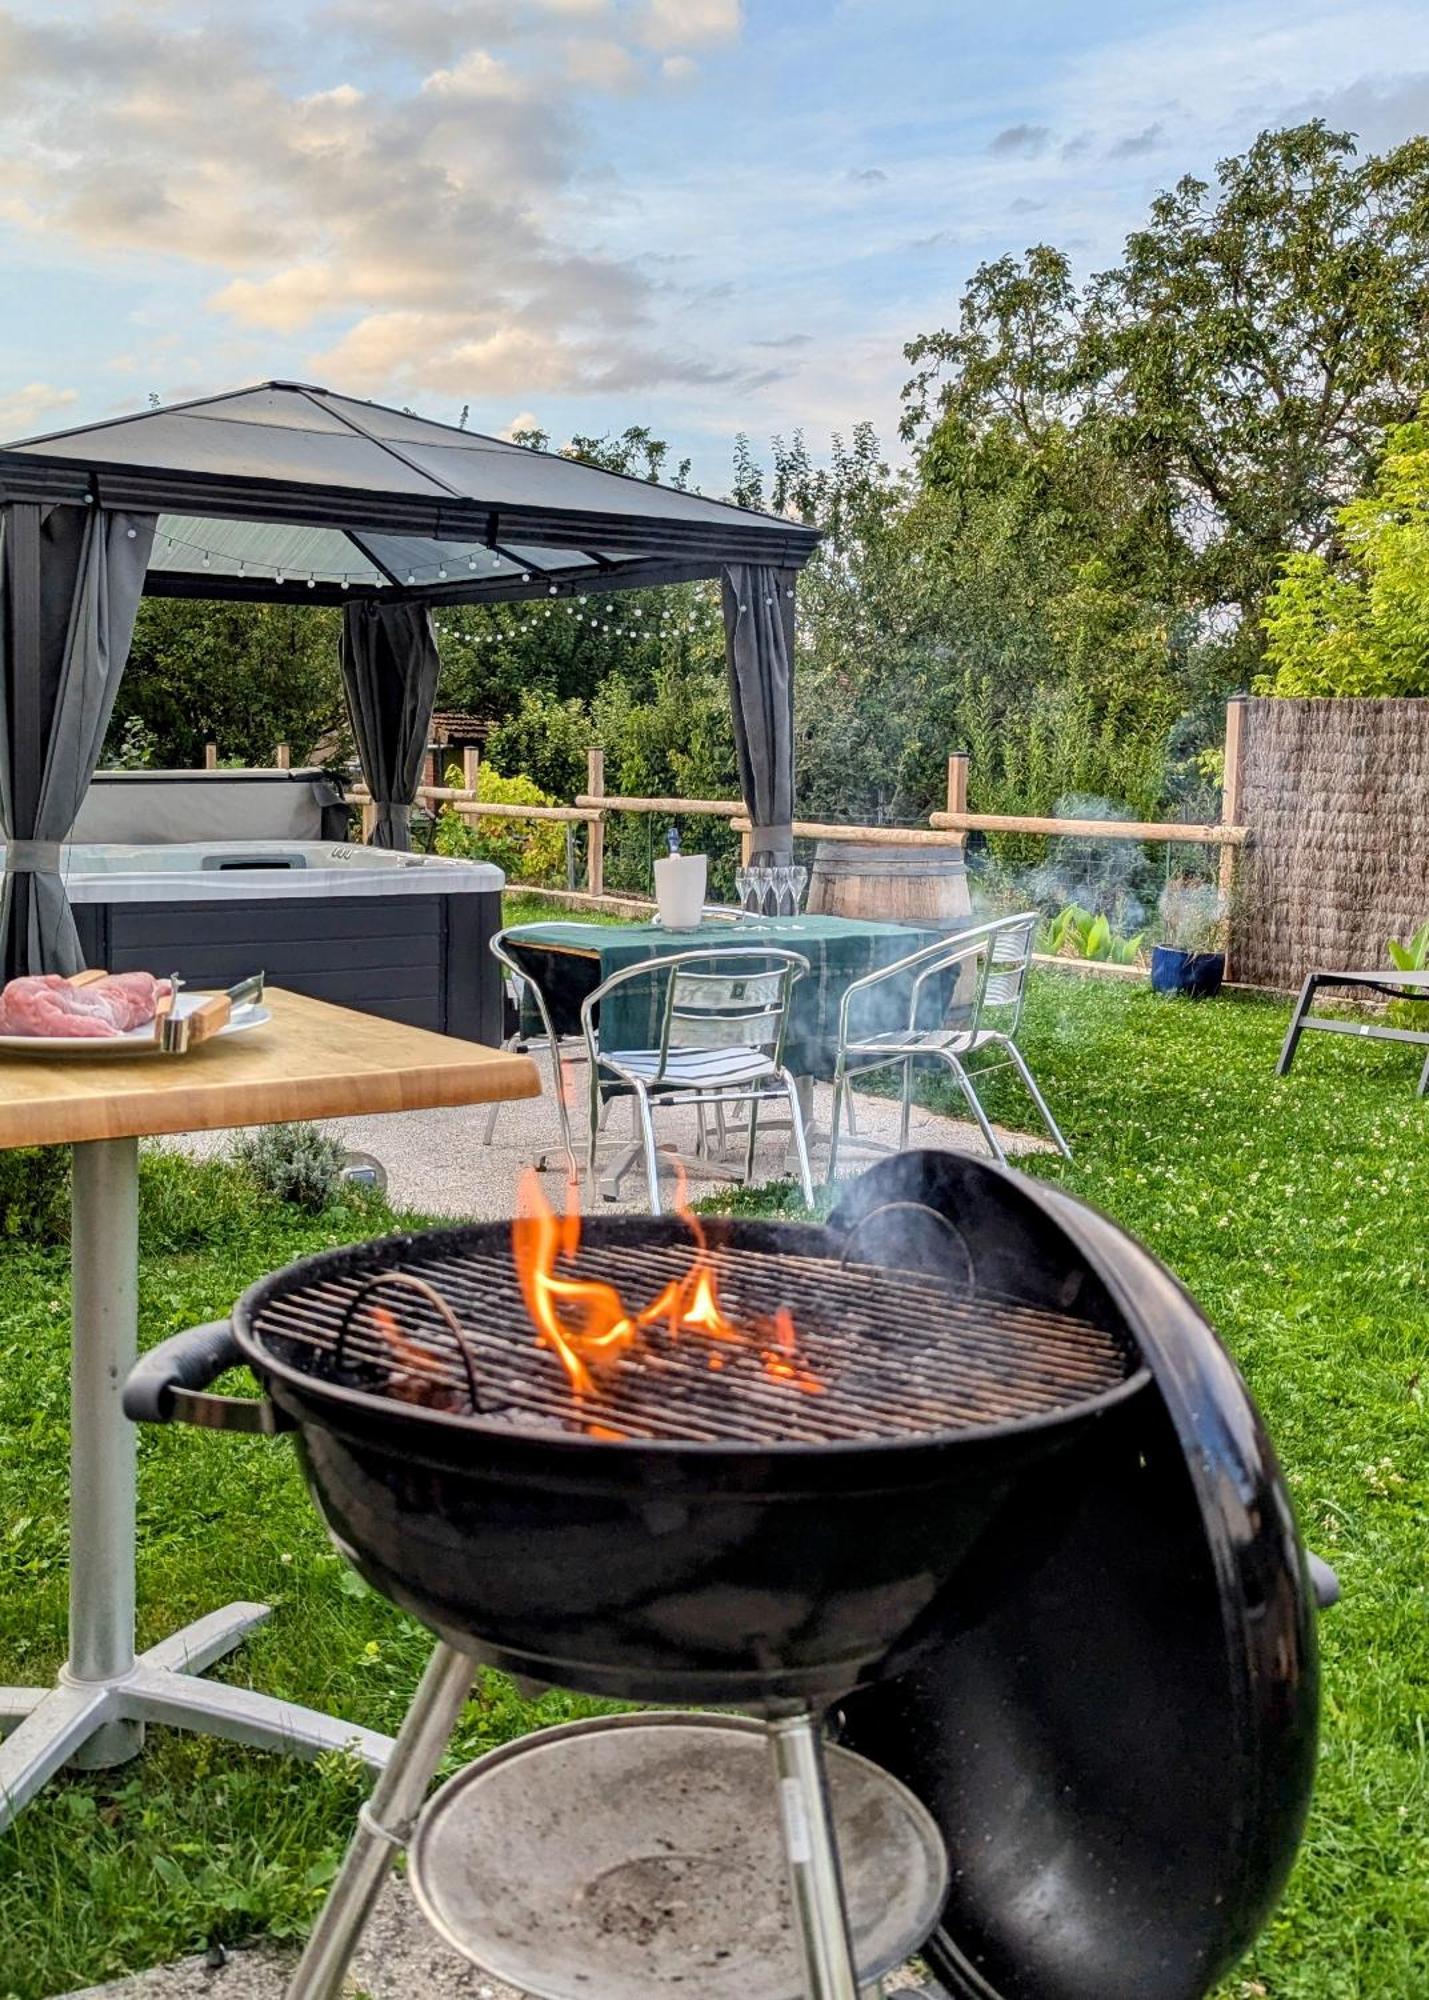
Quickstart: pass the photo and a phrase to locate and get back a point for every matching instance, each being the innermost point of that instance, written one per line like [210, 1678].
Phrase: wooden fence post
[210, 755]
[595, 828]
[1230, 801]
[958, 788]
[283, 757]
[470, 767]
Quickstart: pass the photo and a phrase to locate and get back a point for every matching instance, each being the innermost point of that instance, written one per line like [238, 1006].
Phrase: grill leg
[820, 1917]
[384, 1823]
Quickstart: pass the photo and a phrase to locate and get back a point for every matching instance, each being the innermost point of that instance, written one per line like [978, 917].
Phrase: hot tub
[401, 935]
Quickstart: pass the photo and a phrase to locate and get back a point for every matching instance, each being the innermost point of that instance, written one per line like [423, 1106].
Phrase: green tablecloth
[571, 959]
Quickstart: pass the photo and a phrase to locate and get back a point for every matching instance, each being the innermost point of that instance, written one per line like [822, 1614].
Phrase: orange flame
[588, 1325]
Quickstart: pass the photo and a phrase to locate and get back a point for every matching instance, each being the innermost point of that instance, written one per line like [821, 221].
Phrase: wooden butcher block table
[312, 1060]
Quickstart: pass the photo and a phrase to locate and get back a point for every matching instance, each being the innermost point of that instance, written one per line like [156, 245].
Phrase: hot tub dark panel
[422, 959]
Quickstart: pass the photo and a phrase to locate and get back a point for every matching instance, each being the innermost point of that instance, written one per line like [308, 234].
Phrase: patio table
[313, 1060]
[569, 960]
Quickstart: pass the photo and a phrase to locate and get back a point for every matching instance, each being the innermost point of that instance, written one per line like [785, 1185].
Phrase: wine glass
[798, 878]
[781, 876]
[741, 890]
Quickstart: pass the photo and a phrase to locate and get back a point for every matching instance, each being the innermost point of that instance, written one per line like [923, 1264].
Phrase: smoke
[1125, 881]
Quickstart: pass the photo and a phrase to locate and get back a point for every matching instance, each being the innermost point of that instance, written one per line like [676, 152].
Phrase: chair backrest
[1002, 974]
[714, 998]
[730, 1006]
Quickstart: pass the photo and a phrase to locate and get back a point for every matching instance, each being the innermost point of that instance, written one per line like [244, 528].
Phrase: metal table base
[94, 1715]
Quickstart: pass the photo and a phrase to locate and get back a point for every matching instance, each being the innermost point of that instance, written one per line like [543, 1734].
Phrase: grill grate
[898, 1353]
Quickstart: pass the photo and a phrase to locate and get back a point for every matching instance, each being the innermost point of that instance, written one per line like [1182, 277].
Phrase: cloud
[22, 410]
[679, 69]
[453, 354]
[1028, 140]
[422, 228]
[435, 31]
[1024, 205]
[786, 340]
[687, 24]
[1380, 113]
[868, 176]
[476, 77]
[1132, 147]
[600, 65]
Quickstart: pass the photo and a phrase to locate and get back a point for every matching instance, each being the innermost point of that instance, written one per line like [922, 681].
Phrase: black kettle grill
[1030, 1537]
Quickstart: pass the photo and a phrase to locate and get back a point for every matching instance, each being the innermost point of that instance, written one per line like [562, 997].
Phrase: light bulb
[278, 577]
[206, 559]
[442, 570]
[312, 579]
[344, 583]
[525, 576]
[132, 533]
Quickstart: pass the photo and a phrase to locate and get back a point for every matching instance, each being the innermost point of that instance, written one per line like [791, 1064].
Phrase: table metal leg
[103, 1349]
[1297, 1025]
[95, 1714]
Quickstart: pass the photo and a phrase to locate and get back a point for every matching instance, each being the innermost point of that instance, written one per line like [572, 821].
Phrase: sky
[706, 216]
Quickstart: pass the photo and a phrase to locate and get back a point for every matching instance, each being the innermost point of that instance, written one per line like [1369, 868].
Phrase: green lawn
[1296, 1213]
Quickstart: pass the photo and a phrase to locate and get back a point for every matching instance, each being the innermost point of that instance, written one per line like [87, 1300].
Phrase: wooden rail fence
[948, 827]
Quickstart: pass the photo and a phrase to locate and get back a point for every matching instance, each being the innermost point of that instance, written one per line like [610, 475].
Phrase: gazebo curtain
[70, 583]
[389, 672]
[759, 652]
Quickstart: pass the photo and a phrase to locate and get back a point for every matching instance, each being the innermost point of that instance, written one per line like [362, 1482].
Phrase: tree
[1353, 619]
[1235, 370]
[247, 676]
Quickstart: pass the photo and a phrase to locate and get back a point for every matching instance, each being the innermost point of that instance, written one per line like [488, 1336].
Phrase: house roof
[291, 491]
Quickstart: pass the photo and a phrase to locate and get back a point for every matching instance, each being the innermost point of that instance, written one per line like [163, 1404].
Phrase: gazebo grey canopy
[287, 492]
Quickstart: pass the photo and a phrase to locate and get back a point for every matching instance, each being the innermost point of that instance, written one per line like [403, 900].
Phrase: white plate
[133, 1041]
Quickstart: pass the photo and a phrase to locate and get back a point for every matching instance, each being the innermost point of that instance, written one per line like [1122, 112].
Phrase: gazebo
[291, 493]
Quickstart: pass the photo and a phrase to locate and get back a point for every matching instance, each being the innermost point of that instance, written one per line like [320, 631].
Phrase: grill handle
[167, 1385]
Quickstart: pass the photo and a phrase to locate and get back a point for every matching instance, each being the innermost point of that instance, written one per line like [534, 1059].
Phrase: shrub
[34, 1194]
[527, 850]
[1077, 933]
[296, 1163]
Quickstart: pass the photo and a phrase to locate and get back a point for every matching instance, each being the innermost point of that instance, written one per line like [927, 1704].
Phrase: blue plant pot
[1197, 974]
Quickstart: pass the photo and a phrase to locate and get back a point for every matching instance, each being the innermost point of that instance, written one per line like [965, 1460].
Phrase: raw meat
[46, 1004]
[131, 996]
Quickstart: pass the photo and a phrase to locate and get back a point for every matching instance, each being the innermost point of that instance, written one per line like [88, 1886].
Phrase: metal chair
[1001, 952]
[723, 1023]
[518, 982]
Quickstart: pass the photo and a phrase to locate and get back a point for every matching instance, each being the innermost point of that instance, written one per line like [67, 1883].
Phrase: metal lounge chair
[723, 1023]
[999, 954]
[1393, 984]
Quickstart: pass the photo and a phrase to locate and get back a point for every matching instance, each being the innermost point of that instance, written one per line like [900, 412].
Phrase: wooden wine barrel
[921, 885]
